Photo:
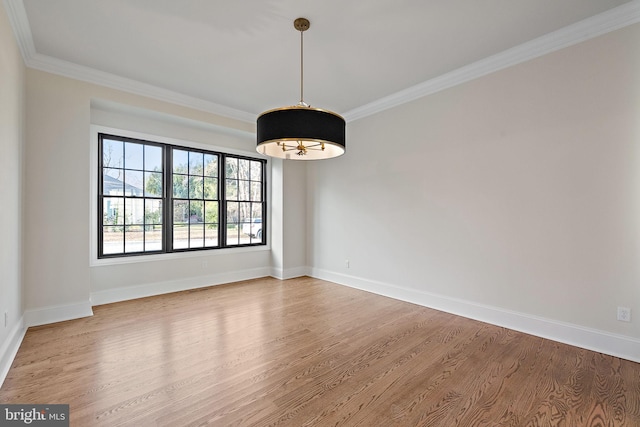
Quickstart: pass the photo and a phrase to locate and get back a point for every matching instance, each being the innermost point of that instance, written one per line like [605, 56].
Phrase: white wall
[295, 218]
[12, 86]
[56, 188]
[288, 220]
[59, 281]
[513, 198]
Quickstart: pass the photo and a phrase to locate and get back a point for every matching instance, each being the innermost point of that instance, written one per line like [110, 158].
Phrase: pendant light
[300, 132]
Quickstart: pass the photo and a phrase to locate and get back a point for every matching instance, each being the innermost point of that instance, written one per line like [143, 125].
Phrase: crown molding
[22, 31]
[611, 20]
[78, 72]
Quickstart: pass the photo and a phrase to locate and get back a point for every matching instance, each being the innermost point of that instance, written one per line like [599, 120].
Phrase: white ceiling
[240, 58]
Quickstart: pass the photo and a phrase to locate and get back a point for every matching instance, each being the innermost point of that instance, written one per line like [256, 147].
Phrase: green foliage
[154, 217]
[153, 184]
[211, 212]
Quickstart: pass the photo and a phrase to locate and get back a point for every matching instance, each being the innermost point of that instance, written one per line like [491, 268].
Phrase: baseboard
[289, 273]
[158, 288]
[591, 339]
[57, 313]
[10, 348]
[37, 317]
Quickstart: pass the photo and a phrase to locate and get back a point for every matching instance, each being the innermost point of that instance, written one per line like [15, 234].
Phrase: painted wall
[295, 219]
[517, 193]
[12, 87]
[59, 280]
[288, 219]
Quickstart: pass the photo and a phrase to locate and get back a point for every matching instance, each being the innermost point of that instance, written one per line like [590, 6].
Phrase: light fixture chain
[301, 67]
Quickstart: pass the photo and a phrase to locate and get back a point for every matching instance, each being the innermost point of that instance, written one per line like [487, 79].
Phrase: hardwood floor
[305, 352]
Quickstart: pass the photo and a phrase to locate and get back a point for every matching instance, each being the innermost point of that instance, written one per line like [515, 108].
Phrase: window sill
[95, 262]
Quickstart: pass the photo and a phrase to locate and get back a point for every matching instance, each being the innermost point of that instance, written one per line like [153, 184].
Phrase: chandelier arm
[289, 147]
[317, 146]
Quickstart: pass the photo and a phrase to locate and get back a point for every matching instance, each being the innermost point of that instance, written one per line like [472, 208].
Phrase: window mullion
[100, 199]
[167, 208]
[222, 205]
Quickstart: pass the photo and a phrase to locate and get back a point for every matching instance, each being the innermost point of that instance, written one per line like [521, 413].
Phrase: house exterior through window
[161, 198]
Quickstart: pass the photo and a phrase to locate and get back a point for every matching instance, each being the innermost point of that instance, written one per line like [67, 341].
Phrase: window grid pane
[195, 191]
[244, 183]
[130, 197]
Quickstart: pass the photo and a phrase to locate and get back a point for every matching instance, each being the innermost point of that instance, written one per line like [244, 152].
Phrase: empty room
[329, 213]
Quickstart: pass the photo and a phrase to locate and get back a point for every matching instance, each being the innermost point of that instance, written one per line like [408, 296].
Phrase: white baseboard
[10, 348]
[37, 317]
[591, 339]
[150, 289]
[57, 313]
[60, 313]
[289, 273]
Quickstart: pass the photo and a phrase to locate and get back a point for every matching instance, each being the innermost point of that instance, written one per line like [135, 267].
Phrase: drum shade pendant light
[301, 132]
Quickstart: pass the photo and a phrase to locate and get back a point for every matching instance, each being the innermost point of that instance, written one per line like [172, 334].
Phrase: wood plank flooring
[306, 352]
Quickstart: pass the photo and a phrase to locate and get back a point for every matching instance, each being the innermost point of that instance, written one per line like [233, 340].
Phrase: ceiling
[239, 58]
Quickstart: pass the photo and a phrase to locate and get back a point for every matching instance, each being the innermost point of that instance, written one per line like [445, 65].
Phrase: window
[243, 189]
[195, 201]
[161, 198]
